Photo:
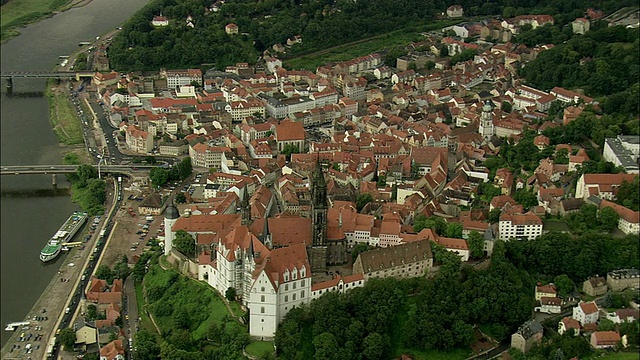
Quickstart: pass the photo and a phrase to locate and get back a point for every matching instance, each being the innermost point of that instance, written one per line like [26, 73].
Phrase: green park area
[260, 348]
[18, 13]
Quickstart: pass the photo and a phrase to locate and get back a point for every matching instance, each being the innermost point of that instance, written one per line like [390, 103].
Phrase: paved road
[131, 308]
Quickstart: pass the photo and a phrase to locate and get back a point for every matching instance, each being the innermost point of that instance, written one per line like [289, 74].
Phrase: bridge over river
[67, 169]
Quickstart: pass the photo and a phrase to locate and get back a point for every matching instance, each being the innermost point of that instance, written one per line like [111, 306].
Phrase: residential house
[455, 11]
[624, 315]
[231, 29]
[160, 21]
[567, 324]
[151, 205]
[586, 312]
[528, 334]
[595, 286]
[605, 339]
[176, 78]
[545, 291]
[580, 26]
[113, 351]
[550, 305]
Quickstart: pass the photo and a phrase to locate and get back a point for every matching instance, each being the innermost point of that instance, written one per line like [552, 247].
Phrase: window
[286, 287]
[262, 298]
[286, 298]
[302, 294]
[294, 285]
[294, 297]
[302, 282]
[262, 289]
[262, 310]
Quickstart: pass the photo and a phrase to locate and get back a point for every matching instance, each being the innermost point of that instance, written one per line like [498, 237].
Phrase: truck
[51, 347]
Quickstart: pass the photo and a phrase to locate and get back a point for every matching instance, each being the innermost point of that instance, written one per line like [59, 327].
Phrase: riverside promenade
[56, 298]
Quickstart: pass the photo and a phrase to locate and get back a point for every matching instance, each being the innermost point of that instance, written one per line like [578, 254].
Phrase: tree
[627, 195]
[494, 215]
[67, 338]
[476, 245]
[104, 272]
[526, 198]
[230, 294]
[454, 230]
[561, 157]
[289, 149]
[608, 219]
[92, 312]
[506, 106]
[326, 347]
[84, 173]
[373, 346]
[214, 332]
[185, 243]
[362, 200]
[151, 160]
[564, 284]
[121, 269]
[181, 198]
[119, 321]
[158, 176]
[358, 249]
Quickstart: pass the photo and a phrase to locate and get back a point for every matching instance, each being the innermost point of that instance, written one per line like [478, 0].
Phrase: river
[26, 138]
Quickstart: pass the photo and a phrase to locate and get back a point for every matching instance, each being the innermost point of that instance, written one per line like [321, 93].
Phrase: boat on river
[62, 236]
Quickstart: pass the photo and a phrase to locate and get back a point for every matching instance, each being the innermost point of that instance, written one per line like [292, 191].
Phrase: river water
[26, 138]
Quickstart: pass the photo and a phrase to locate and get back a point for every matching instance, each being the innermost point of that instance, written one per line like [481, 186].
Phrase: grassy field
[364, 47]
[259, 348]
[65, 121]
[434, 355]
[621, 356]
[18, 13]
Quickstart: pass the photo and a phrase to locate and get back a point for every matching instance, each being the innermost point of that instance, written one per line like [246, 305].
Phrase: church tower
[486, 121]
[319, 208]
[171, 215]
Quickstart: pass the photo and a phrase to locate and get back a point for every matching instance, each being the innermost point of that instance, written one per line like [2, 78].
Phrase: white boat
[66, 232]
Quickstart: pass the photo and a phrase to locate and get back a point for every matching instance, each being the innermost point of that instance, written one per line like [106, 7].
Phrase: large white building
[176, 78]
[486, 122]
[519, 226]
[600, 185]
[208, 156]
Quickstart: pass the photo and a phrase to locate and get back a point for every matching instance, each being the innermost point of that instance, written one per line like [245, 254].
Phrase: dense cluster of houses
[304, 145]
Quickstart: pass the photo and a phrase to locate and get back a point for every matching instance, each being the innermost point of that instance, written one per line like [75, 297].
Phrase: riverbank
[20, 13]
[66, 123]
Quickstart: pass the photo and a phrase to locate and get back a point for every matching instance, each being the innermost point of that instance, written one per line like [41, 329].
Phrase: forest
[321, 23]
[391, 316]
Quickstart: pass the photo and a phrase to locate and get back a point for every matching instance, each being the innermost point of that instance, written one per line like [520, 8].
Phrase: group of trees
[120, 271]
[589, 219]
[602, 62]
[375, 321]
[181, 171]
[87, 190]
[180, 307]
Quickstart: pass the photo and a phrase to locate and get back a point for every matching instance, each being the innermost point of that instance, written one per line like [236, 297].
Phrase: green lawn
[259, 348]
[621, 356]
[434, 355]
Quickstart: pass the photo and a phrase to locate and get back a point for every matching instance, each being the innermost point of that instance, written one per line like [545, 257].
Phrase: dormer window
[303, 272]
[295, 274]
